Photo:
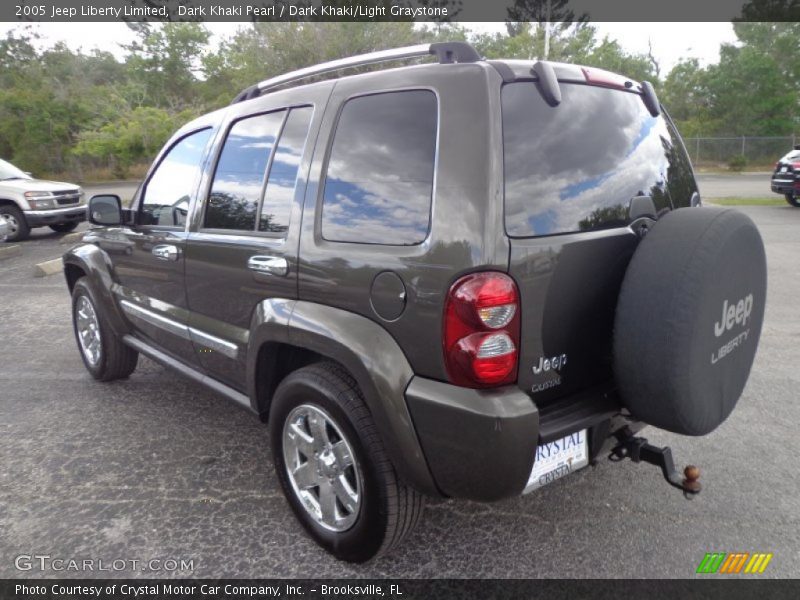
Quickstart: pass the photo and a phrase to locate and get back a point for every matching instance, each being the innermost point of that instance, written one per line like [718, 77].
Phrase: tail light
[481, 330]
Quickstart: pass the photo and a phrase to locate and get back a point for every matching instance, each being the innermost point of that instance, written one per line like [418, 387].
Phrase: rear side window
[379, 182]
[576, 166]
[170, 188]
[242, 167]
[277, 205]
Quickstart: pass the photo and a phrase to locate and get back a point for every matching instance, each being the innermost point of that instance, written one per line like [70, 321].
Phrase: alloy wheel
[88, 327]
[322, 468]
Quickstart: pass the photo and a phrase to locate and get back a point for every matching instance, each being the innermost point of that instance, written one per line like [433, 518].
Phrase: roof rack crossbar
[446, 52]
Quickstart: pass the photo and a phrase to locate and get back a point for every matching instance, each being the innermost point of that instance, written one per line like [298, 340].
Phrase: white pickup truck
[26, 203]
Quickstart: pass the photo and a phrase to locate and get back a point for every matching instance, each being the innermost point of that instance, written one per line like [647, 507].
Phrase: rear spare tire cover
[689, 318]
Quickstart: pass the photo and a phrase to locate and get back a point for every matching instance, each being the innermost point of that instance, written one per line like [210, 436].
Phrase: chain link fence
[739, 152]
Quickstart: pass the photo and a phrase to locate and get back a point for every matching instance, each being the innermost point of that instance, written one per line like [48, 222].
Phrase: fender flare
[372, 357]
[95, 264]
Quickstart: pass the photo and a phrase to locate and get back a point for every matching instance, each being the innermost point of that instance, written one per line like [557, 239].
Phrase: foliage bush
[737, 163]
[63, 111]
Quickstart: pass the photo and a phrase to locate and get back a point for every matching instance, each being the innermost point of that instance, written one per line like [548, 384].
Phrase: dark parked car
[786, 177]
[462, 279]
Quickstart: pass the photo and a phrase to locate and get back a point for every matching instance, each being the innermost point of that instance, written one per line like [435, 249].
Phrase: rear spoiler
[550, 89]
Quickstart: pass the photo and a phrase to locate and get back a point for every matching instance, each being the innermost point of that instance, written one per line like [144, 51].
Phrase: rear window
[576, 166]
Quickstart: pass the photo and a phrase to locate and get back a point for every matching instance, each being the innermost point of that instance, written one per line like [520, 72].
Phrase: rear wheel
[793, 200]
[63, 227]
[333, 467]
[18, 226]
[103, 353]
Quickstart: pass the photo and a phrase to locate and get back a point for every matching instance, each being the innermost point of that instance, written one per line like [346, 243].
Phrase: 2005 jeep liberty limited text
[463, 278]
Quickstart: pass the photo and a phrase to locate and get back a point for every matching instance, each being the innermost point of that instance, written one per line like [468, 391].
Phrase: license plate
[557, 459]
[785, 170]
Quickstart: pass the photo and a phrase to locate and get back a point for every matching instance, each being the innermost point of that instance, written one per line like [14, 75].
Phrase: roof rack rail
[446, 52]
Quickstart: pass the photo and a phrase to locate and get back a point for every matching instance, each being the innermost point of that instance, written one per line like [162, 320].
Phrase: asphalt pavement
[157, 467]
[734, 185]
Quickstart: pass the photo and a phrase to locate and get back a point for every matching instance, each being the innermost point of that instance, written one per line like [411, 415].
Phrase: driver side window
[168, 193]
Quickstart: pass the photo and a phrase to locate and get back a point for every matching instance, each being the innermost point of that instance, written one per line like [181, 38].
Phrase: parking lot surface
[157, 467]
[735, 185]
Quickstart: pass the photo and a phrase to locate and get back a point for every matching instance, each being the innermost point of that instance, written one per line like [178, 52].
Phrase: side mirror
[105, 209]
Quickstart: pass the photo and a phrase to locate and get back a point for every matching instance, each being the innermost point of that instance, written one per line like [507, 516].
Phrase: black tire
[64, 227]
[681, 359]
[16, 219]
[116, 360]
[793, 200]
[389, 509]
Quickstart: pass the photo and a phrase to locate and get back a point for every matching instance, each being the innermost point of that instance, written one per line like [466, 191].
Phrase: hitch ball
[690, 483]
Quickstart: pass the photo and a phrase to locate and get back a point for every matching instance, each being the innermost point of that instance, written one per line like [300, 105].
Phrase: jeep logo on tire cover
[734, 314]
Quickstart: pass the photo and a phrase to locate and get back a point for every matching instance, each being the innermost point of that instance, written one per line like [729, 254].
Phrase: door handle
[167, 252]
[273, 265]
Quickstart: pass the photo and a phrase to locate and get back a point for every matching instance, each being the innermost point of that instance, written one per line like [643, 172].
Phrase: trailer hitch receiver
[639, 450]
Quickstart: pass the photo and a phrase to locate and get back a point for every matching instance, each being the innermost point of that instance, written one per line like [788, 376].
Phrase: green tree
[262, 50]
[135, 136]
[166, 61]
[752, 90]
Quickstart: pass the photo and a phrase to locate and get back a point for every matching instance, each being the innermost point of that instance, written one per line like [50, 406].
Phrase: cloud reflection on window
[239, 176]
[380, 173]
[173, 181]
[277, 205]
[577, 165]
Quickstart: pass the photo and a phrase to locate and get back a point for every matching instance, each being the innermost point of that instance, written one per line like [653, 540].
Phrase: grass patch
[760, 201]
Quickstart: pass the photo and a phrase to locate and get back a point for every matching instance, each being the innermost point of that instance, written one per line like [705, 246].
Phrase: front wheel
[18, 226]
[64, 227]
[793, 200]
[333, 468]
[103, 353]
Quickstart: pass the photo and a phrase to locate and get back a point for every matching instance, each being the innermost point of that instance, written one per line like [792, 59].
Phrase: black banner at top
[392, 10]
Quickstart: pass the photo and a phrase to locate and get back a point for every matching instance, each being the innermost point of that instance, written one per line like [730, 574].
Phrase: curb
[48, 267]
[9, 251]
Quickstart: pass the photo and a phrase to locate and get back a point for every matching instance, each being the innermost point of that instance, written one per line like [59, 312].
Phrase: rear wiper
[650, 99]
[548, 82]
[9, 178]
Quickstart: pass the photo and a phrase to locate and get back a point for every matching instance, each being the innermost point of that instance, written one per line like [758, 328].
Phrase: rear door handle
[272, 265]
[166, 252]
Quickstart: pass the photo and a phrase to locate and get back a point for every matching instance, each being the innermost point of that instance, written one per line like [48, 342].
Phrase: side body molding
[94, 262]
[369, 353]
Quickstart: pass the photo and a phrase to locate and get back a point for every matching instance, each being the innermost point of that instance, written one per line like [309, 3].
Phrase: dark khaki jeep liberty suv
[464, 278]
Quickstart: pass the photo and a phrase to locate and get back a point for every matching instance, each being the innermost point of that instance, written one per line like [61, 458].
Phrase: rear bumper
[40, 218]
[785, 185]
[479, 444]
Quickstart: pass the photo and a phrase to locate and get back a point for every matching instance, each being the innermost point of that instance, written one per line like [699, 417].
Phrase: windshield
[576, 166]
[9, 171]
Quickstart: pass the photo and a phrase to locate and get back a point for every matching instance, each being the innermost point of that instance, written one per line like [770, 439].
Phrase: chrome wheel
[321, 467]
[88, 328]
[13, 224]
